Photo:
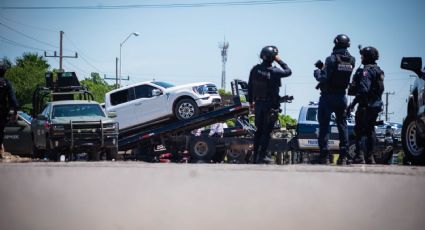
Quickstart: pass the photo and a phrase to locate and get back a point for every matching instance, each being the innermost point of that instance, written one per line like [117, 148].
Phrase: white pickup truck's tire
[186, 109]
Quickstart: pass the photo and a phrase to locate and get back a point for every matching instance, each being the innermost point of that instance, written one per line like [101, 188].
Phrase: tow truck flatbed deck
[130, 141]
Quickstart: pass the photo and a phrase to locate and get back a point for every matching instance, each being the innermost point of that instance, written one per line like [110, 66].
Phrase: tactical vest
[261, 81]
[341, 72]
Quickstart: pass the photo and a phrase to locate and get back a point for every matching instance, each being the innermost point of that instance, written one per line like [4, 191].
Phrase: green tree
[97, 86]
[25, 76]
[287, 120]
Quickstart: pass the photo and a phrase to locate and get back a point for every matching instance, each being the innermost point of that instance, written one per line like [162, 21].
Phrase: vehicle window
[312, 114]
[46, 111]
[163, 84]
[77, 110]
[25, 116]
[122, 96]
[143, 91]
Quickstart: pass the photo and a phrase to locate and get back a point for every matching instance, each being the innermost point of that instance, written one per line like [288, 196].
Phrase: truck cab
[308, 129]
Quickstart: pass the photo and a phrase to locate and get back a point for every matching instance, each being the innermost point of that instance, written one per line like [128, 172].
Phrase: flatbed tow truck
[175, 138]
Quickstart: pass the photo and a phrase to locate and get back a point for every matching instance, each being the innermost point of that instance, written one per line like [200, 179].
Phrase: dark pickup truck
[413, 132]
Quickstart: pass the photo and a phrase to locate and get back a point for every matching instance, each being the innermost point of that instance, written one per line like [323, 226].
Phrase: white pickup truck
[145, 102]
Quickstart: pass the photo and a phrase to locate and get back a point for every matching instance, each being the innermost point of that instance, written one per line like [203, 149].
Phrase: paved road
[133, 195]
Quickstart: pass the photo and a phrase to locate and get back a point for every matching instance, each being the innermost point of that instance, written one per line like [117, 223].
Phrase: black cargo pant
[332, 103]
[266, 113]
[365, 129]
[3, 122]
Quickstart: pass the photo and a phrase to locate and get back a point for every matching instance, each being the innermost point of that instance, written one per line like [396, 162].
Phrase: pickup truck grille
[88, 133]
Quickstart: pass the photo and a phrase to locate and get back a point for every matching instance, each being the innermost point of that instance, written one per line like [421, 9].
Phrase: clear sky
[180, 44]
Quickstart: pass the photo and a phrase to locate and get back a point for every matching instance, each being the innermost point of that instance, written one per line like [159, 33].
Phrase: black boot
[268, 159]
[342, 160]
[323, 158]
[370, 160]
[360, 158]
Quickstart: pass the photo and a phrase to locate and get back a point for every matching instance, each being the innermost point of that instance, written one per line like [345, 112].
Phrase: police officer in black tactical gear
[367, 86]
[263, 97]
[334, 77]
[7, 102]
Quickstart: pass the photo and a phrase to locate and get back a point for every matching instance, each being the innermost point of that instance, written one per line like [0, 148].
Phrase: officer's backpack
[342, 71]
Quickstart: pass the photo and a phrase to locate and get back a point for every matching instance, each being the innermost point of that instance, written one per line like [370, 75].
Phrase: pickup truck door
[147, 106]
[17, 137]
[421, 97]
[121, 104]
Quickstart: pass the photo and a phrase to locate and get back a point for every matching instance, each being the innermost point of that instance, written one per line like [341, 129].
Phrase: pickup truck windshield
[163, 84]
[77, 110]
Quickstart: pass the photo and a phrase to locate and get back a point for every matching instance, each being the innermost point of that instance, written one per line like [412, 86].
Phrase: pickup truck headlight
[113, 126]
[201, 90]
[58, 128]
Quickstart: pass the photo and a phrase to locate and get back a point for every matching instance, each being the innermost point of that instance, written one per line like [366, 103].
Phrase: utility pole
[116, 75]
[386, 104]
[223, 47]
[60, 52]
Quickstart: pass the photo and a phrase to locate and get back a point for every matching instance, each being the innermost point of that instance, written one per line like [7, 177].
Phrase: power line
[168, 5]
[82, 54]
[30, 26]
[27, 36]
[11, 42]
[77, 68]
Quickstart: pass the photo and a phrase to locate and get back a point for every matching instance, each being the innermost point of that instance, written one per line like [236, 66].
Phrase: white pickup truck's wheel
[186, 109]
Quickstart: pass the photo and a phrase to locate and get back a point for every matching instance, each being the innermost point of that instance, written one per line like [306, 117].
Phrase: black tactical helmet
[370, 54]
[268, 53]
[342, 41]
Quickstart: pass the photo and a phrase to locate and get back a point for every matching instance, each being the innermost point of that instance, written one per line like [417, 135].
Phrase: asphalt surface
[135, 195]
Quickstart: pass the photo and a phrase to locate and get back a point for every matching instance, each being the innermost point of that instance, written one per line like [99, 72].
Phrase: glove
[319, 64]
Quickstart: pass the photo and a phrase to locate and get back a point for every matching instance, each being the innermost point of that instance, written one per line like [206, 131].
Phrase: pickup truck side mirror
[41, 117]
[112, 114]
[414, 64]
[156, 92]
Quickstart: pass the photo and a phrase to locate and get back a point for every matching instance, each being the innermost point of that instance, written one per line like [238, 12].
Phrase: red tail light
[46, 125]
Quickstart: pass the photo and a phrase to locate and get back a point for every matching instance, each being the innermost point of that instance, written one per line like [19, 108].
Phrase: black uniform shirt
[7, 95]
[323, 76]
[275, 74]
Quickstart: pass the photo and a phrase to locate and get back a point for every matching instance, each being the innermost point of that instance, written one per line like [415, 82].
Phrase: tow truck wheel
[202, 149]
[186, 109]
[413, 152]
[94, 155]
[236, 157]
